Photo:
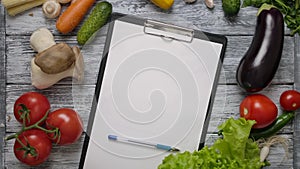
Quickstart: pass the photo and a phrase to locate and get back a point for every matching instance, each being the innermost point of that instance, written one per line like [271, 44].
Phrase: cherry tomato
[32, 147]
[260, 108]
[31, 107]
[69, 124]
[290, 100]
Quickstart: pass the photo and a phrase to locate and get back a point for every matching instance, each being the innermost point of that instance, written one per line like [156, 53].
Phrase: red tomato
[69, 124]
[31, 107]
[290, 100]
[260, 108]
[32, 147]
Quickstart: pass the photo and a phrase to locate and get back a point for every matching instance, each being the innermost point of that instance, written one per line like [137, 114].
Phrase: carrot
[73, 15]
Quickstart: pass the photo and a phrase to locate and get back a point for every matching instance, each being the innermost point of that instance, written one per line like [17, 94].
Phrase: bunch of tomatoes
[262, 109]
[42, 128]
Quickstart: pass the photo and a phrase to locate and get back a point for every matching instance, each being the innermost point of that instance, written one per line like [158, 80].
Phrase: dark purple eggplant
[259, 64]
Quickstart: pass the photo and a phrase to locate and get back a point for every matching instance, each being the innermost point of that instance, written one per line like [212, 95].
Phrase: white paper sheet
[155, 90]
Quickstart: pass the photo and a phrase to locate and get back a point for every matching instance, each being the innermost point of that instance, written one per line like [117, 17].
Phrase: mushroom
[42, 80]
[53, 62]
[209, 4]
[51, 9]
[41, 39]
[55, 59]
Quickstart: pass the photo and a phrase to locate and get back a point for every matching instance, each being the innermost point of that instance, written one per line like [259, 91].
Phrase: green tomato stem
[27, 148]
[24, 113]
[36, 125]
[11, 137]
[22, 144]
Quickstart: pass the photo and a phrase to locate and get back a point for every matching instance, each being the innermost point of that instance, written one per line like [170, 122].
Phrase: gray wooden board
[2, 82]
[61, 96]
[18, 70]
[297, 118]
[16, 54]
[196, 15]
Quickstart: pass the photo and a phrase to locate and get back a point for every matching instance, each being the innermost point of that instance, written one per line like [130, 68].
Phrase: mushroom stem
[41, 39]
[42, 80]
[78, 72]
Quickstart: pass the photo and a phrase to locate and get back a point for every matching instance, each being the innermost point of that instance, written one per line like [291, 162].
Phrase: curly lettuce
[233, 150]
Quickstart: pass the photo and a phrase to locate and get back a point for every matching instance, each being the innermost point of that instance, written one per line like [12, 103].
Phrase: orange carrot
[72, 16]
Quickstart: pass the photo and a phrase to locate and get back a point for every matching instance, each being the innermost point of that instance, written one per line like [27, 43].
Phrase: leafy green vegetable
[289, 8]
[234, 150]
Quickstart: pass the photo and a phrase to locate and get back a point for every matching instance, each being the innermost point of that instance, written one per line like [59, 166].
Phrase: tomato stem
[245, 111]
[36, 125]
[24, 113]
[22, 144]
[27, 148]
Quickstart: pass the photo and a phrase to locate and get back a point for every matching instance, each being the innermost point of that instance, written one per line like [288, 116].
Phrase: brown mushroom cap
[55, 59]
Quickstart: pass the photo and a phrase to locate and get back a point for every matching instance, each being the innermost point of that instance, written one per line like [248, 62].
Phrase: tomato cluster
[41, 128]
[262, 109]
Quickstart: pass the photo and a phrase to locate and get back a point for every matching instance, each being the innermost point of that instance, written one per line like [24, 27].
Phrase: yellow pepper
[164, 4]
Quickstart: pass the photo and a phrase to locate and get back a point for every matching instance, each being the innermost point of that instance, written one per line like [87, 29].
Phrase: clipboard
[156, 83]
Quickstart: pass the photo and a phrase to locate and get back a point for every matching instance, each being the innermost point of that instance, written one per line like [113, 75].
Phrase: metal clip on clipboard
[168, 31]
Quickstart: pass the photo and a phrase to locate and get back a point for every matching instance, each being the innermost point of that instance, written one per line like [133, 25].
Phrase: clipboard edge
[217, 38]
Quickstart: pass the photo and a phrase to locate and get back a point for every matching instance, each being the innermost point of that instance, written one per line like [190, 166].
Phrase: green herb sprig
[289, 8]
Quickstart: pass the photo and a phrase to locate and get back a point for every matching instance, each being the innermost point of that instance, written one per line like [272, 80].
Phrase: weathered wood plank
[58, 97]
[19, 55]
[227, 100]
[67, 157]
[195, 15]
[2, 83]
[297, 118]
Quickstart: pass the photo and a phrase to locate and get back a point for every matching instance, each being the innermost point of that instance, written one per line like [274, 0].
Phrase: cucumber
[231, 7]
[278, 124]
[94, 22]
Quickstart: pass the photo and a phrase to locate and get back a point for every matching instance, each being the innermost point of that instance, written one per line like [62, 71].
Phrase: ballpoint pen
[142, 143]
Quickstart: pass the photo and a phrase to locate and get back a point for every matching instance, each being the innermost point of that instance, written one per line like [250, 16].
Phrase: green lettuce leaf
[233, 150]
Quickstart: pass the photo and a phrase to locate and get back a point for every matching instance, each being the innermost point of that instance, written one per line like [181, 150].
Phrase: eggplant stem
[265, 7]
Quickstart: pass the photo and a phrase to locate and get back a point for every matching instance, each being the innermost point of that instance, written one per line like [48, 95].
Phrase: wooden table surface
[16, 53]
